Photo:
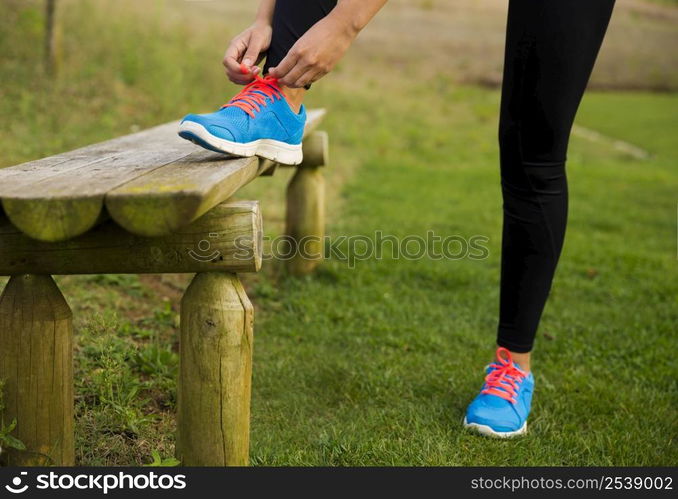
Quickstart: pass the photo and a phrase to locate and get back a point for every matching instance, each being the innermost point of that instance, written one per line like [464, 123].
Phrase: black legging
[291, 19]
[551, 46]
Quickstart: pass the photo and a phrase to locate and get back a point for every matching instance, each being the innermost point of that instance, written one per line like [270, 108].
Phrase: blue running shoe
[256, 122]
[503, 404]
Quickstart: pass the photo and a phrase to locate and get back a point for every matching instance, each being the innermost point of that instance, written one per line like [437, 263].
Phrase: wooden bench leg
[36, 364]
[305, 220]
[215, 374]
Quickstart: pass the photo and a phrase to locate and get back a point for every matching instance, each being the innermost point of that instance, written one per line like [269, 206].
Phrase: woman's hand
[316, 53]
[247, 48]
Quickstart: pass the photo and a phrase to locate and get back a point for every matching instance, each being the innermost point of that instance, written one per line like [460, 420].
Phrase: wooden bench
[144, 203]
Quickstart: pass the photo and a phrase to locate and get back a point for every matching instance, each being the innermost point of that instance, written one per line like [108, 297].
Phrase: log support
[36, 366]
[215, 376]
[215, 372]
[305, 219]
[228, 238]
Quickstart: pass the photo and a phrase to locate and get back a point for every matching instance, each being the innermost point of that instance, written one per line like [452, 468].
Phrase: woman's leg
[550, 51]
[291, 19]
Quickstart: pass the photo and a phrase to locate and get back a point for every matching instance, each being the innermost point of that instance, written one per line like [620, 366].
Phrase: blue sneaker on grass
[256, 122]
[503, 404]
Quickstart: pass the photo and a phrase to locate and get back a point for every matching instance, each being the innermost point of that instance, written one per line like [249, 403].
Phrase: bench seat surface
[151, 183]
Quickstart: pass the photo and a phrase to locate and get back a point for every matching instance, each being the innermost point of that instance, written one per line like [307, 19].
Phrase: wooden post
[215, 372]
[305, 221]
[36, 362]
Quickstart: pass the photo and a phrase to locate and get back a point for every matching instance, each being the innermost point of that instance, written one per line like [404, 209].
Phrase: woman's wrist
[262, 22]
[264, 17]
[356, 14]
[345, 22]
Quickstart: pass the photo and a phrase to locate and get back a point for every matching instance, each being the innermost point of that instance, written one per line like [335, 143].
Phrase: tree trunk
[50, 50]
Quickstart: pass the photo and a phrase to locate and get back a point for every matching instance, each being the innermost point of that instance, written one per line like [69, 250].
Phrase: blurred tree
[50, 49]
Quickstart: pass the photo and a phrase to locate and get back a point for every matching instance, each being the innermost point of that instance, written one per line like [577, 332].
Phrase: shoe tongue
[267, 97]
[495, 400]
[237, 111]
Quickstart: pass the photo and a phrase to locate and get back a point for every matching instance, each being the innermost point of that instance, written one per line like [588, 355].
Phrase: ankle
[295, 97]
[522, 359]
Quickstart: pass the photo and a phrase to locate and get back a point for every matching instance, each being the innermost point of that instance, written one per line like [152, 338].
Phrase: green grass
[374, 365]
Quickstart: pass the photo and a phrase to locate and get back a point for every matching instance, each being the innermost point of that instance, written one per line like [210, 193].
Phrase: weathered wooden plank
[267, 167]
[64, 206]
[228, 238]
[36, 362]
[61, 197]
[165, 199]
[160, 203]
[215, 372]
[316, 150]
[15, 177]
[313, 119]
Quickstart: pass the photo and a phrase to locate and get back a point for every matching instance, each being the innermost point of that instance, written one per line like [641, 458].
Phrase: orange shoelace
[503, 380]
[256, 94]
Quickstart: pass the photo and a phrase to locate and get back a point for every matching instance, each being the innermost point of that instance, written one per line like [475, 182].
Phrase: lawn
[374, 363]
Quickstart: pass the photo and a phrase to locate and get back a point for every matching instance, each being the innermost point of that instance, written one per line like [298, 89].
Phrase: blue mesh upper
[275, 120]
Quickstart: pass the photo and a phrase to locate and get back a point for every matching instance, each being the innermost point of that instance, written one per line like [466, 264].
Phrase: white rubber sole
[489, 432]
[280, 152]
